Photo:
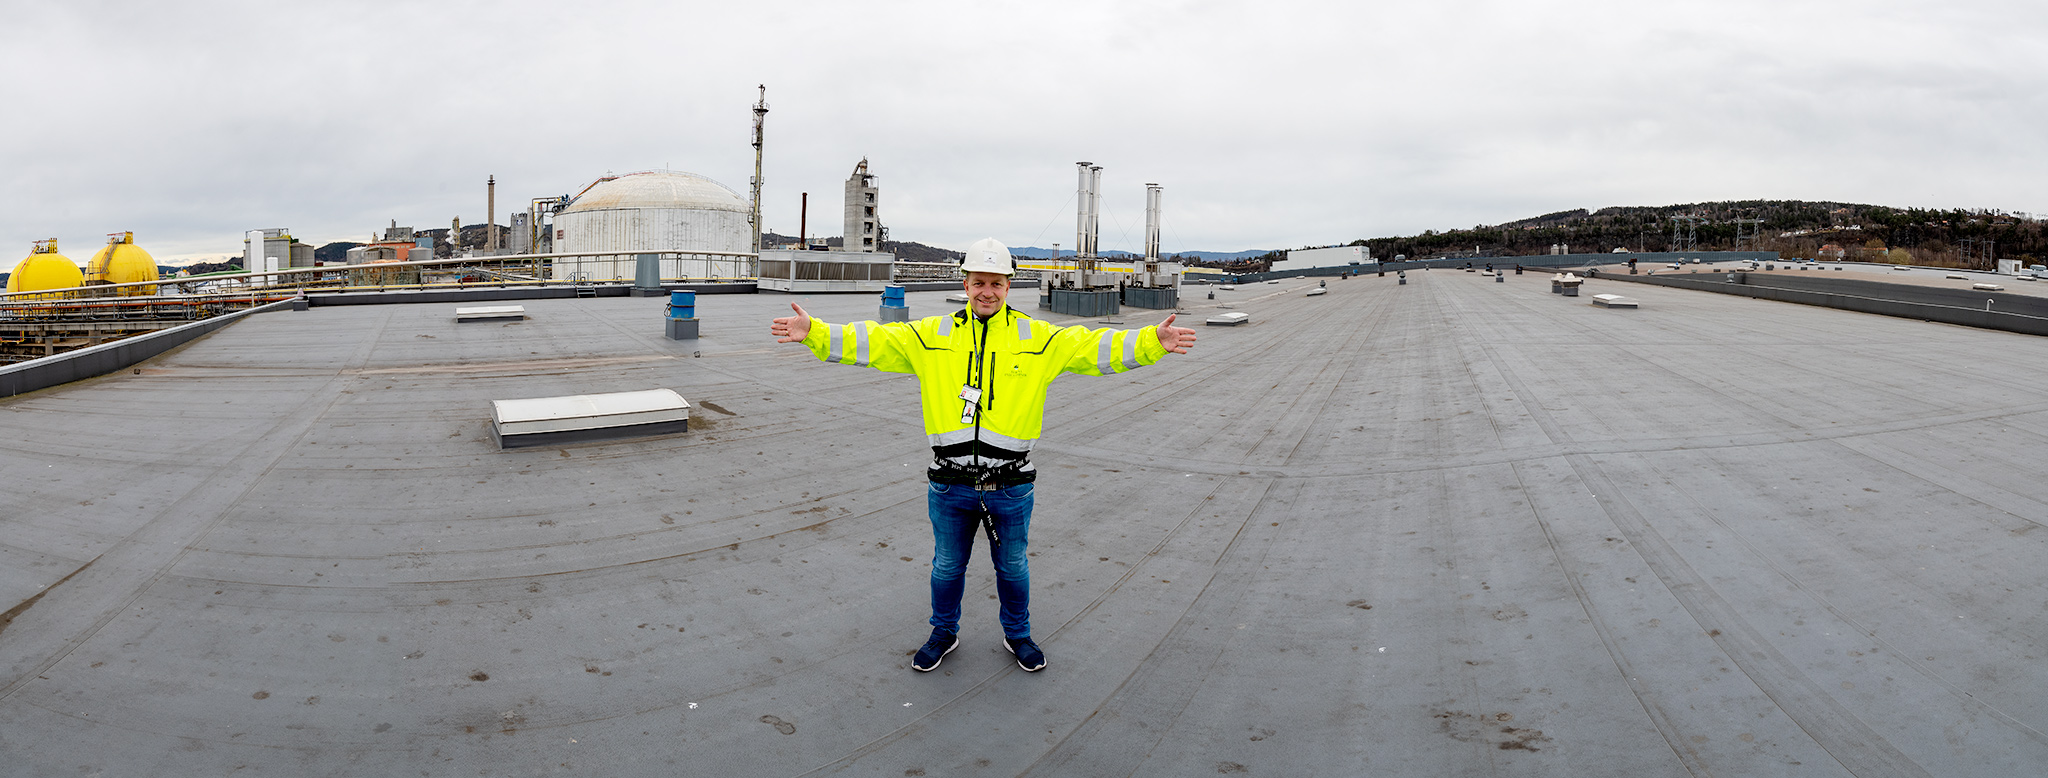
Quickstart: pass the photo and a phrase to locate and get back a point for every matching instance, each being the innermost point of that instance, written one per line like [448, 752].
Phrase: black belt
[982, 482]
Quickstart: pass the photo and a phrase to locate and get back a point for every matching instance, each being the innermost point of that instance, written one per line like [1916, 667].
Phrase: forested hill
[1794, 228]
[904, 250]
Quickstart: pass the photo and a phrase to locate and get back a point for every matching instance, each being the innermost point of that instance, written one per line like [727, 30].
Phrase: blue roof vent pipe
[894, 308]
[682, 305]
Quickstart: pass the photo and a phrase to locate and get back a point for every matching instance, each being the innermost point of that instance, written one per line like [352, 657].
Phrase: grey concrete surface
[1453, 527]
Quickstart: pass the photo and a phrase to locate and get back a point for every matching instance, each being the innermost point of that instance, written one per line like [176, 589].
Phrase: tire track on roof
[1963, 698]
[1174, 651]
[1858, 748]
[1832, 727]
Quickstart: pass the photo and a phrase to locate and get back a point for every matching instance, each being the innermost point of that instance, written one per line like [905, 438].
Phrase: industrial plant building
[1337, 257]
[863, 230]
[274, 249]
[654, 211]
[860, 264]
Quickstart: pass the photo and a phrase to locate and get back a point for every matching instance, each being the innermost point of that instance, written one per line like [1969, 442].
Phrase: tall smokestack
[1152, 193]
[760, 118]
[491, 214]
[1094, 210]
[1081, 213]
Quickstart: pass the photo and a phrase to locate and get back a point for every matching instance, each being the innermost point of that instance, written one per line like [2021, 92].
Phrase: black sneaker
[935, 649]
[1028, 655]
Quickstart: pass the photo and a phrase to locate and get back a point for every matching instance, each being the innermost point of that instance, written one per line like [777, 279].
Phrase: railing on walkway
[508, 269]
[944, 271]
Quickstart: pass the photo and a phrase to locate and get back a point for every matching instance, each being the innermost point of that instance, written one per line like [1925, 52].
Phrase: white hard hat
[988, 256]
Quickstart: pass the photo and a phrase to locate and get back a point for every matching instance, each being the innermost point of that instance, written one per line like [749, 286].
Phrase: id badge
[970, 399]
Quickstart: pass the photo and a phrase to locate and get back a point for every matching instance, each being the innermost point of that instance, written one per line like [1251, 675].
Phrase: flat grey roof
[1453, 527]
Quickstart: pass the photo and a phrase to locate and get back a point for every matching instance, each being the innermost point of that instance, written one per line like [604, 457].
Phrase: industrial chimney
[491, 215]
[1088, 210]
[1152, 222]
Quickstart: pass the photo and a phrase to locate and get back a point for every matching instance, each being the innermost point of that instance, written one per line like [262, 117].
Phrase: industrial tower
[863, 227]
[760, 116]
[490, 216]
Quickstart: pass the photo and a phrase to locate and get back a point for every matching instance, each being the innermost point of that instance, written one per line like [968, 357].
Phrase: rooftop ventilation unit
[1231, 319]
[546, 421]
[490, 312]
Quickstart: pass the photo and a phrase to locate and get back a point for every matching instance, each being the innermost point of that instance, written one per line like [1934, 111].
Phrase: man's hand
[1176, 339]
[793, 329]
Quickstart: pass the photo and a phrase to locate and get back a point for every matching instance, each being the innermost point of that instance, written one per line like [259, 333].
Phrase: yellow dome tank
[45, 269]
[122, 262]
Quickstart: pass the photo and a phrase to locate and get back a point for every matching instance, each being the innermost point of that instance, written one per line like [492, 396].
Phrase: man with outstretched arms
[982, 374]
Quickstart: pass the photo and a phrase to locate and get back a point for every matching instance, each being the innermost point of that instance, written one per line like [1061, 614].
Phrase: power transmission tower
[1976, 253]
[1685, 234]
[1749, 232]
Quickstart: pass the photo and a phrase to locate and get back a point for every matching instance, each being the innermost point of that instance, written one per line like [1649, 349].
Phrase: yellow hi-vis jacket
[983, 382]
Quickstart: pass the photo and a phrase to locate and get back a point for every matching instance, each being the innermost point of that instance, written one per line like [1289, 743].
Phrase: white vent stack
[1093, 286]
[1152, 195]
[1088, 209]
[1095, 211]
[1081, 212]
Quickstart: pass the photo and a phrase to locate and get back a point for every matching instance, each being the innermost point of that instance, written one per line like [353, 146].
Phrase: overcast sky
[1270, 124]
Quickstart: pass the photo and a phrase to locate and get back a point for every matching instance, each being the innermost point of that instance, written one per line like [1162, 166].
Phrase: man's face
[987, 292]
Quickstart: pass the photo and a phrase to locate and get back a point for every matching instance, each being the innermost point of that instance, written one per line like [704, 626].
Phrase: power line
[1055, 217]
[1123, 233]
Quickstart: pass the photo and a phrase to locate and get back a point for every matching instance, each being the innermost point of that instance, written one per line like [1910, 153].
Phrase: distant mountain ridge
[1958, 237]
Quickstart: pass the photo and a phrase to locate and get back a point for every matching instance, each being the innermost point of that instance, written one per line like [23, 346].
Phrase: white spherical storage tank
[656, 211]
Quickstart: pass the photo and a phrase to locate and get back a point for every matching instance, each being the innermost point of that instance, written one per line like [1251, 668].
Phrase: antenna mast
[760, 115]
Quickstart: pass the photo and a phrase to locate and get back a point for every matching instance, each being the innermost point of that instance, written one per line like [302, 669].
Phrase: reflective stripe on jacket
[1011, 358]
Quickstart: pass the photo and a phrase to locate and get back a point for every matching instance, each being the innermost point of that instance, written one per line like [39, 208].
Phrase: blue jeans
[955, 511]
